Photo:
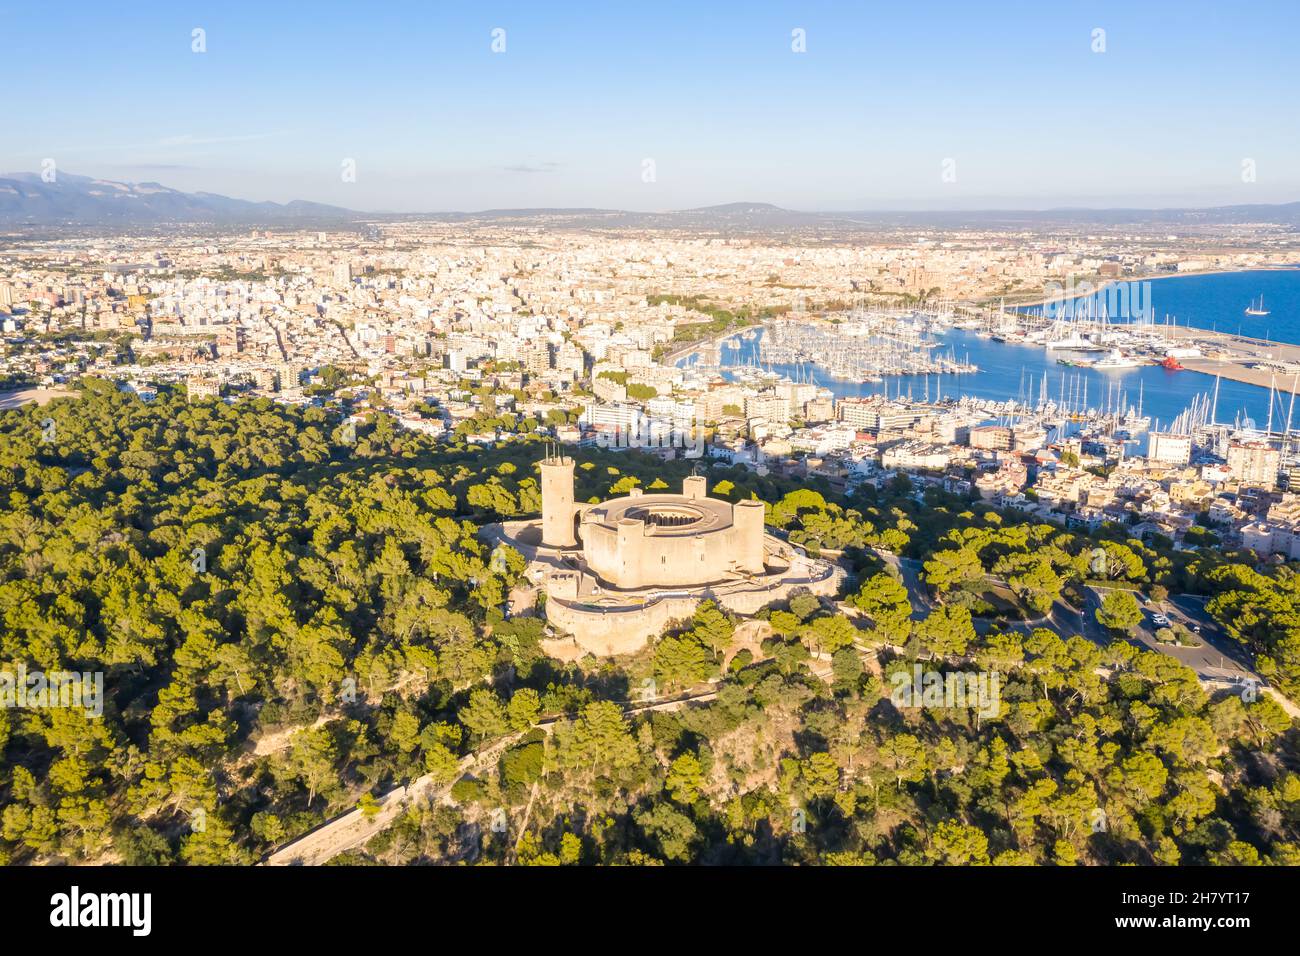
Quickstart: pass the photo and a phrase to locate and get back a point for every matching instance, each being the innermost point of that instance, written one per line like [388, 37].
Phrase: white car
[1159, 620]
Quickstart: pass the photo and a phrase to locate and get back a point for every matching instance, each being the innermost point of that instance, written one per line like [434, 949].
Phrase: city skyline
[883, 110]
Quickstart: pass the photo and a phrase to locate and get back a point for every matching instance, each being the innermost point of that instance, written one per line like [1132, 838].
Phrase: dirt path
[354, 828]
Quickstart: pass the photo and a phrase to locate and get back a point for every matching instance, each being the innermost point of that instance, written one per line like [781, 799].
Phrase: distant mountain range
[81, 200]
[84, 201]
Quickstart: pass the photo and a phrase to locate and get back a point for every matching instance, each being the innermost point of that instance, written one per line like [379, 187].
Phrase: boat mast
[1271, 381]
[1290, 408]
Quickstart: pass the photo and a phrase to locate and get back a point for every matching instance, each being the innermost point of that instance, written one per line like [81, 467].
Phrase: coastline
[1107, 283]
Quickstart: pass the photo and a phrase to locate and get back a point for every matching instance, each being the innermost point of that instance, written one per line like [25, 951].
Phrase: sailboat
[1257, 309]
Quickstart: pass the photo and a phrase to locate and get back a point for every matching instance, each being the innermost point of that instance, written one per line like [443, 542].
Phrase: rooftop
[664, 514]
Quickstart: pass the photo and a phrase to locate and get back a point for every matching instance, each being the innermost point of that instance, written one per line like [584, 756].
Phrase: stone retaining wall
[609, 631]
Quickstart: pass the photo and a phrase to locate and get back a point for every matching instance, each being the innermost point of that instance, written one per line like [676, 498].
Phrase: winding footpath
[354, 828]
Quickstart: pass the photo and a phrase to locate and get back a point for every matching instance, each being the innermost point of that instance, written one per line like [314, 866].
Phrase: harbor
[1128, 330]
[1016, 380]
[864, 346]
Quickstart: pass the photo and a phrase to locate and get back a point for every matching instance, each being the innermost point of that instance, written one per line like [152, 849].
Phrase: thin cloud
[532, 167]
[159, 167]
[189, 139]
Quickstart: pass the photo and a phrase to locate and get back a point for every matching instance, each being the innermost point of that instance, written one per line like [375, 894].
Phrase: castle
[619, 572]
[649, 540]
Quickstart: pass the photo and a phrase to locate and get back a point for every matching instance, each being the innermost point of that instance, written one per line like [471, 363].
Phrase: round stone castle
[619, 572]
[648, 540]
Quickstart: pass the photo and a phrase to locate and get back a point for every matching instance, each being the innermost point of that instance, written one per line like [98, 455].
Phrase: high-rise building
[769, 407]
[537, 357]
[570, 358]
[202, 386]
[1254, 463]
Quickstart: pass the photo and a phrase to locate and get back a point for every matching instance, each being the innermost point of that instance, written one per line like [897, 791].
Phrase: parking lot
[1218, 657]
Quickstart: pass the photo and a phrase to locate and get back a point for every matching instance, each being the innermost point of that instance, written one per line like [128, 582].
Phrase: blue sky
[712, 93]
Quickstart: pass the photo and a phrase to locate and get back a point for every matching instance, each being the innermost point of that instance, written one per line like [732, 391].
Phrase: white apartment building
[1170, 448]
[769, 407]
[913, 455]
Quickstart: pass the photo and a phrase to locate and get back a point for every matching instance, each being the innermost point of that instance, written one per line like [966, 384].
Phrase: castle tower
[747, 516]
[631, 532]
[695, 486]
[557, 502]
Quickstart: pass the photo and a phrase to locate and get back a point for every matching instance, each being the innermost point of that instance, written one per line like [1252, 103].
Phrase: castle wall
[629, 557]
[747, 518]
[608, 631]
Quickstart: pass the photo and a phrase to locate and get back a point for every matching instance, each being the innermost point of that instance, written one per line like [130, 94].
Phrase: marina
[1076, 369]
[1007, 373]
[865, 346]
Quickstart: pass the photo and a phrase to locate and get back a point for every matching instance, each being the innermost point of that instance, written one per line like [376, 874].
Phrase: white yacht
[1117, 359]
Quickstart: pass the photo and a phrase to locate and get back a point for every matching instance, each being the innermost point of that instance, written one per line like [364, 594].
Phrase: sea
[1215, 301]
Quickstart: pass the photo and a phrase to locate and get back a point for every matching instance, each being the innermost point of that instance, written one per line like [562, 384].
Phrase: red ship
[1172, 363]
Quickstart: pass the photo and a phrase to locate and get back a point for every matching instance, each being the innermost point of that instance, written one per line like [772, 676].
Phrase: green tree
[524, 709]
[946, 631]
[484, 715]
[1119, 611]
[884, 599]
[674, 832]
[685, 778]
[953, 568]
[958, 844]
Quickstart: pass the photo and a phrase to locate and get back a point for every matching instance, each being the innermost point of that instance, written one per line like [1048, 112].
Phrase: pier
[1233, 357]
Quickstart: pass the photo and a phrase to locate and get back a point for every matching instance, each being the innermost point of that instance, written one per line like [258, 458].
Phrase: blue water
[1218, 301]
[1009, 371]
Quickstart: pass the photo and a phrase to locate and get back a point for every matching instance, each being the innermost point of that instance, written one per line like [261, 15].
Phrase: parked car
[1159, 620]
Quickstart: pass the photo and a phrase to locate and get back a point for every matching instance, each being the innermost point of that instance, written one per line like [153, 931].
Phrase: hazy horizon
[977, 204]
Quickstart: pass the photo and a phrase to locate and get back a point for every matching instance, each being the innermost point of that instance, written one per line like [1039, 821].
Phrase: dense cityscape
[488, 334]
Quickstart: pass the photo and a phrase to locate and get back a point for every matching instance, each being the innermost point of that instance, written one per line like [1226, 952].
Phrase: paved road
[908, 571]
[682, 351]
[1218, 658]
[1219, 661]
[1062, 618]
[1189, 610]
[353, 828]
